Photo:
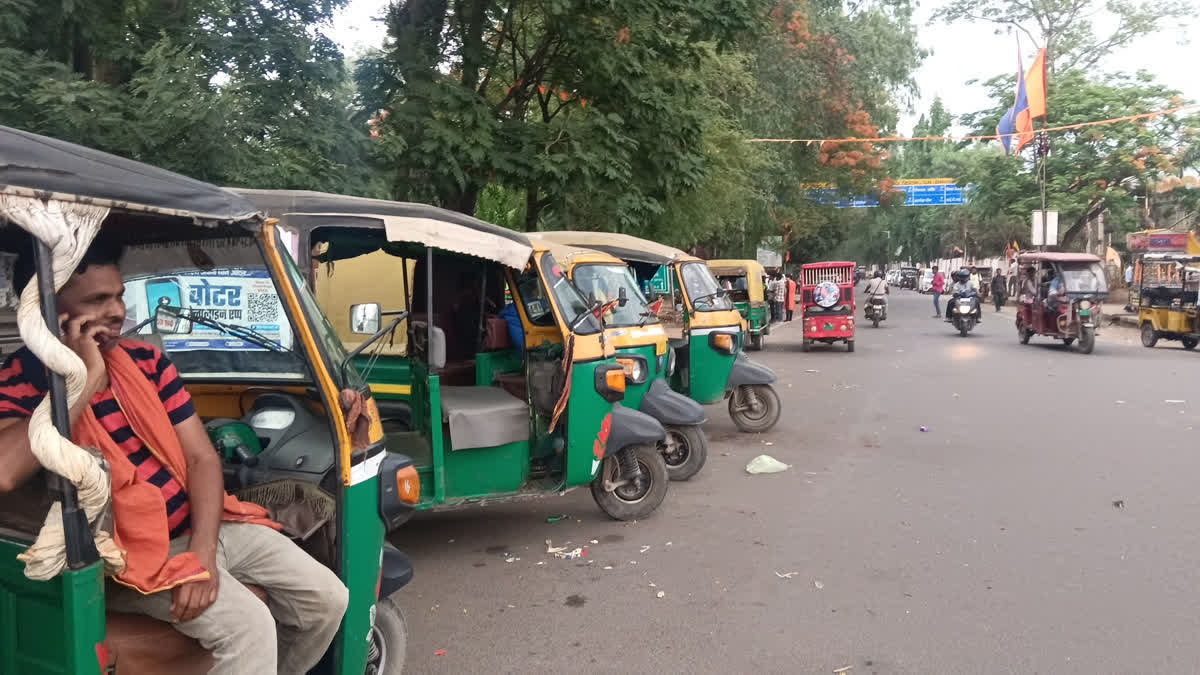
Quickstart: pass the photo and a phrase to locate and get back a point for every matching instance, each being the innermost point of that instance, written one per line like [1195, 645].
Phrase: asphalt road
[1046, 522]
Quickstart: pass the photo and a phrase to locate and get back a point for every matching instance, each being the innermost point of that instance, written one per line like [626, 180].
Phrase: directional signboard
[919, 192]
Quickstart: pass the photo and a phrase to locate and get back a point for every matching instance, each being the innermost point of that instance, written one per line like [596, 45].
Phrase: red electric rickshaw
[1067, 289]
[827, 303]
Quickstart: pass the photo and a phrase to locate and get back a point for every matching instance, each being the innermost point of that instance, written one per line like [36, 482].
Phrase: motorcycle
[876, 310]
[964, 312]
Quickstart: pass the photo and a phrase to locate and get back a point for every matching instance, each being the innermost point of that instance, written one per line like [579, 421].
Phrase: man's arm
[16, 457]
[206, 496]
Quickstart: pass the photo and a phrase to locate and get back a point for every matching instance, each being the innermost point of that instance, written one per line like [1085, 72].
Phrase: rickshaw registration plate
[828, 326]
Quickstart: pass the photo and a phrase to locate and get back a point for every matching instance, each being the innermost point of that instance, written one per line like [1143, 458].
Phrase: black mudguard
[745, 372]
[670, 407]
[396, 572]
[632, 427]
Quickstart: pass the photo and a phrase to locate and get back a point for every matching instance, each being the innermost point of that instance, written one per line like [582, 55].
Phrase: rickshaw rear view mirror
[622, 297]
[365, 318]
[167, 320]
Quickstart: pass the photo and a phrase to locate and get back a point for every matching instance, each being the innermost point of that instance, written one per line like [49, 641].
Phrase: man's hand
[189, 600]
[79, 334]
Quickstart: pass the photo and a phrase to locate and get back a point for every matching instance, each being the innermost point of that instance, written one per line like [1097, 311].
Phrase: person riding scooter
[877, 288]
[963, 289]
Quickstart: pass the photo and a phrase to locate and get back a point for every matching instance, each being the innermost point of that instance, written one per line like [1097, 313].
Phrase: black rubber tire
[655, 468]
[875, 322]
[768, 419]
[1189, 343]
[1068, 341]
[756, 342]
[965, 327]
[804, 345]
[1023, 334]
[850, 346]
[1087, 340]
[694, 456]
[392, 631]
[1149, 335]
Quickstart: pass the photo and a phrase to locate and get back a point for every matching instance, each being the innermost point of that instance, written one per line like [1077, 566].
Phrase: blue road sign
[945, 194]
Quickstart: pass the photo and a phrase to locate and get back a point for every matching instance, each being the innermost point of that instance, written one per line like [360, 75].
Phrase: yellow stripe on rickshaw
[392, 389]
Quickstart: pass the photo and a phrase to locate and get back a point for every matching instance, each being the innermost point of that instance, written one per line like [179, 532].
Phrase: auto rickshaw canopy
[623, 246]
[752, 270]
[48, 168]
[402, 222]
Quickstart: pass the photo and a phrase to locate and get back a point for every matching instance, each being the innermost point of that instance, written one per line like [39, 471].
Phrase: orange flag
[1035, 86]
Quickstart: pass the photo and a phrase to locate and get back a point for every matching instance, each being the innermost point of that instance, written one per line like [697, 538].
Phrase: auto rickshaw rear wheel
[686, 452]
[1149, 335]
[632, 501]
[1189, 342]
[389, 640]
[1023, 334]
[756, 341]
[754, 408]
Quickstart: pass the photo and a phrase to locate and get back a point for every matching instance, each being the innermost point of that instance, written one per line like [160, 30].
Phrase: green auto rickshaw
[743, 282]
[707, 339]
[631, 324]
[295, 428]
[506, 386]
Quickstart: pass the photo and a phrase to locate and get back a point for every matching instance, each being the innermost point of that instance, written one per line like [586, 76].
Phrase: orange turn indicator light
[408, 485]
[615, 379]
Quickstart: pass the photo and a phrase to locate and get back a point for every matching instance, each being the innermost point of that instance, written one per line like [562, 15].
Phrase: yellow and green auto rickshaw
[743, 282]
[632, 326]
[296, 430]
[493, 401]
[710, 364]
[1164, 292]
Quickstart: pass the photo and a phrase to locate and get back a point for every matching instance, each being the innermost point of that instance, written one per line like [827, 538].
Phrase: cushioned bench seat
[483, 417]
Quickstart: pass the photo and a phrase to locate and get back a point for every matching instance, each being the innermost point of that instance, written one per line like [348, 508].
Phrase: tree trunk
[533, 208]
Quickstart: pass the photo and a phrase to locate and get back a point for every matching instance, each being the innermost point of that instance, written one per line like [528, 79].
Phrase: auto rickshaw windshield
[575, 309]
[702, 289]
[1083, 278]
[226, 322]
[603, 282]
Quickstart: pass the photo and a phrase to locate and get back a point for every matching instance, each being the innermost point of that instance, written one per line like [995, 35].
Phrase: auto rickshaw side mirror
[365, 318]
[622, 297]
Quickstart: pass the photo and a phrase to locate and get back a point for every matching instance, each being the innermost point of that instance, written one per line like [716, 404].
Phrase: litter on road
[644, 549]
[819, 584]
[1174, 401]
[785, 575]
[660, 594]
[765, 464]
[555, 519]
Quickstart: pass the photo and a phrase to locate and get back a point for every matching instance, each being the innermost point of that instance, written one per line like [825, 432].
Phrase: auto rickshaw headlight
[722, 342]
[1085, 304]
[635, 368]
[610, 382]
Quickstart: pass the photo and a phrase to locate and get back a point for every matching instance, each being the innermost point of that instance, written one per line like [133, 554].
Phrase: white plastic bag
[765, 464]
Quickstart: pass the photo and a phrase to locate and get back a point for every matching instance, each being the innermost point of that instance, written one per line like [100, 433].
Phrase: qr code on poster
[262, 307]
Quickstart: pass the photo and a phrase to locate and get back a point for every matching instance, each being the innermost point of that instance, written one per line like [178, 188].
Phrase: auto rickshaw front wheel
[685, 451]
[621, 496]
[756, 341]
[388, 644]
[1087, 340]
[754, 408]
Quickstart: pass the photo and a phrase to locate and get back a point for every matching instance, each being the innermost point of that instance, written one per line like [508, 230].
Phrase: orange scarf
[139, 511]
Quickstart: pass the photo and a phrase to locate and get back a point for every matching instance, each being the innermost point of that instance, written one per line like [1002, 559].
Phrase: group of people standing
[781, 289]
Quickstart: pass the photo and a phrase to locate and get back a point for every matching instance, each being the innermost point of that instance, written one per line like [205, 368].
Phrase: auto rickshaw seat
[140, 644]
[484, 417]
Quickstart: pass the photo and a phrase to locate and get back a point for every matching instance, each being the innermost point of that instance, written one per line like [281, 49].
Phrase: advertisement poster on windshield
[231, 299]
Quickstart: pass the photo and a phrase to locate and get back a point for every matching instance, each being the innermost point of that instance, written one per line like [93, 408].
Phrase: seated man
[962, 288]
[168, 492]
[1056, 293]
[878, 288]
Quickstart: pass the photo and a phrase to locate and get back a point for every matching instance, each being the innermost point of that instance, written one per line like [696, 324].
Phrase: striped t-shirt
[23, 384]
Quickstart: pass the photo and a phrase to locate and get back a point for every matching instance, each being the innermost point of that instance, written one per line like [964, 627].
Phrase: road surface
[1046, 522]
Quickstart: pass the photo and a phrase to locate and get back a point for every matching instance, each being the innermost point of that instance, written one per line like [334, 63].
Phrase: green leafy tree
[247, 92]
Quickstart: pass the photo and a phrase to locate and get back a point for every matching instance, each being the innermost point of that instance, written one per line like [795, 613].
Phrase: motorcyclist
[962, 289]
[878, 288]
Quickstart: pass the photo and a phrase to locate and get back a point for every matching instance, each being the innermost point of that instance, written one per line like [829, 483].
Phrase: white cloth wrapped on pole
[68, 229]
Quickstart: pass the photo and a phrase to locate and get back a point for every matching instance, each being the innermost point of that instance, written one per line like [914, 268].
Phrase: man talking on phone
[189, 547]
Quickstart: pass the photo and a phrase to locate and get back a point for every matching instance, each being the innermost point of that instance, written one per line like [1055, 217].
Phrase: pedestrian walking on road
[791, 296]
[778, 296]
[999, 288]
[936, 287]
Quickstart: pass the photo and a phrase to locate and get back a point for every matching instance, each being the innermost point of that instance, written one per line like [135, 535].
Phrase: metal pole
[81, 548]
[482, 310]
[429, 308]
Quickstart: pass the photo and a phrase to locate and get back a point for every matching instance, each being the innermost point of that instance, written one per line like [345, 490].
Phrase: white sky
[961, 52]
